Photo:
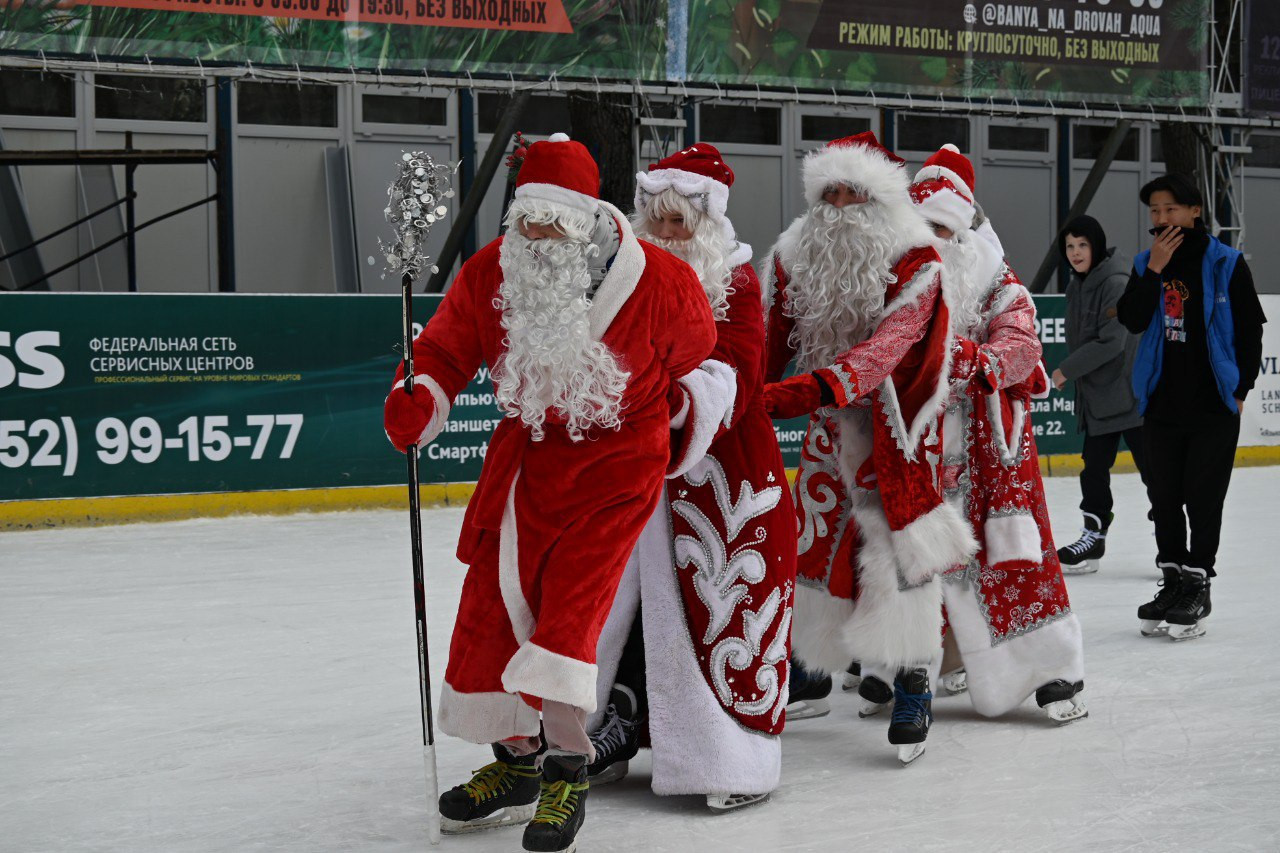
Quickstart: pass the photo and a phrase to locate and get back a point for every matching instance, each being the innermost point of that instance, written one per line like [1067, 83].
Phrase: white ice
[250, 684]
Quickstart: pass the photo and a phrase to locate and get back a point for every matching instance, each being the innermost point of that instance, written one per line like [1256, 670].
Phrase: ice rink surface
[250, 684]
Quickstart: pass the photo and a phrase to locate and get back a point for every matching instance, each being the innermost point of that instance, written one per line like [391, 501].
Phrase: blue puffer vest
[1219, 264]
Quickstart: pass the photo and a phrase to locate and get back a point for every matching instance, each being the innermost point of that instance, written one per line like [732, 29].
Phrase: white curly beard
[706, 253]
[551, 361]
[843, 266]
[965, 294]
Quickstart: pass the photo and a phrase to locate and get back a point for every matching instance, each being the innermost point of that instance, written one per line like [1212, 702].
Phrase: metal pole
[130, 210]
[476, 192]
[225, 183]
[1082, 201]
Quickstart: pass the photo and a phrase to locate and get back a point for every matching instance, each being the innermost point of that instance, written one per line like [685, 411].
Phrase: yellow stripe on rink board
[85, 512]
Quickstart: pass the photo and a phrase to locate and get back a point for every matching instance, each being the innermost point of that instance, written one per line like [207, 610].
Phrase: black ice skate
[852, 676]
[562, 805]
[1083, 556]
[875, 695]
[912, 713]
[808, 696]
[1151, 614]
[499, 794]
[1062, 701]
[1187, 614]
[618, 739]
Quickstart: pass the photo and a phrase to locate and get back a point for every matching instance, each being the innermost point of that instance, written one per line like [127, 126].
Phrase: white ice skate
[876, 696]
[955, 682]
[909, 752]
[1067, 710]
[730, 802]
[807, 709]
[1153, 628]
[510, 816]
[1186, 632]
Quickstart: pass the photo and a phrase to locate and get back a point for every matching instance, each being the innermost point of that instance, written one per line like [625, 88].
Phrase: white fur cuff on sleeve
[712, 390]
[441, 413]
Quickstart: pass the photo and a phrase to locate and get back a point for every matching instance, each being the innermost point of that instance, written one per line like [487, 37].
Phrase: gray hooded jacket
[1101, 350]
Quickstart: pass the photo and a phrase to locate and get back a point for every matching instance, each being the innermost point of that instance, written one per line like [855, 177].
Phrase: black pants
[631, 668]
[1095, 478]
[1190, 466]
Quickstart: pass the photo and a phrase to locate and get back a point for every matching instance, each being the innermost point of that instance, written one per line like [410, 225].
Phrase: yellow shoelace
[557, 801]
[493, 779]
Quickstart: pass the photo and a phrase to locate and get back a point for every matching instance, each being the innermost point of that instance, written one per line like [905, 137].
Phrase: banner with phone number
[128, 394]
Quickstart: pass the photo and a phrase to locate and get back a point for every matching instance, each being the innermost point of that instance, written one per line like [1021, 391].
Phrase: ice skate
[809, 692]
[1084, 556]
[852, 677]
[499, 794]
[912, 713]
[562, 805]
[875, 695]
[1187, 614]
[730, 802]
[1151, 615]
[618, 739]
[955, 682]
[1062, 701]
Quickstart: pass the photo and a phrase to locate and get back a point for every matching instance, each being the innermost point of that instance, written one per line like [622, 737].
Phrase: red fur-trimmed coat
[552, 523]
[1007, 607]
[714, 577]
[874, 531]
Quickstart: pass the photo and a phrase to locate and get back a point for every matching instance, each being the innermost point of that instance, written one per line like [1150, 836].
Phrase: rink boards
[255, 402]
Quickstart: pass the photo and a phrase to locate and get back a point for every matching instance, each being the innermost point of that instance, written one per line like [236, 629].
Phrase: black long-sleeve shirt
[1187, 383]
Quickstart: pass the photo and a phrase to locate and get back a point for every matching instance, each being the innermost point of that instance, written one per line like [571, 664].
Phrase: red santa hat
[858, 161]
[562, 172]
[698, 173]
[943, 189]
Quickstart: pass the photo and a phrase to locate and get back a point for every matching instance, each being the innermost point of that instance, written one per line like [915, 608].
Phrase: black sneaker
[499, 794]
[1083, 556]
[1191, 607]
[618, 739]
[807, 694]
[1153, 612]
[562, 805]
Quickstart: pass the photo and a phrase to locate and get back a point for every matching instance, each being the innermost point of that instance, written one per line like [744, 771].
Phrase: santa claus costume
[855, 295]
[708, 593]
[591, 337]
[1007, 608]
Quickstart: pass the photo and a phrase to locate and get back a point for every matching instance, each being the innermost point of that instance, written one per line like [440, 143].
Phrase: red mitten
[793, 397]
[405, 416]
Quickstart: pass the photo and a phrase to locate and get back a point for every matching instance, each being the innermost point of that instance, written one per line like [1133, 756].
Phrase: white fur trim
[740, 255]
[679, 418]
[854, 165]
[949, 209]
[933, 173]
[441, 414]
[518, 611]
[988, 233]
[818, 637]
[621, 280]
[890, 625]
[914, 289]
[548, 675]
[485, 717]
[908, 436]
[557, 194]
[1012, 537]
[933, 543]
[617, 627]
[712, 389]
[1003, 676]
[1008, 447]
[558, 137]
[687, 184]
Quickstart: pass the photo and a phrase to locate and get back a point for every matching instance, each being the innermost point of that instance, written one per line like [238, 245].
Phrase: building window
[404, 109]
[1266, 151]
[929, 133]
[138, 98]
[543, 114]
[289, 104]
[826, 128]
[1013, 137]
[33, 93]
[742, 125]
[1087, 141]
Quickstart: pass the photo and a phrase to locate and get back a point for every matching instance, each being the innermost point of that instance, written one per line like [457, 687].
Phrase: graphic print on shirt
[1175, 295]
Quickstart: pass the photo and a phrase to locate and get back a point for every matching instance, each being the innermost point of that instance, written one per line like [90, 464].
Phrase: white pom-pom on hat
[558, 137]
[950, 147]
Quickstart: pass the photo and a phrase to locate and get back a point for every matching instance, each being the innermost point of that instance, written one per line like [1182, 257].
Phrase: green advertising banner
[131, 394]
[532, 37]
[1130, 51]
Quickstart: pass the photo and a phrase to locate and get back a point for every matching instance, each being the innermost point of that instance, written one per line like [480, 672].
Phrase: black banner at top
[1262, 56]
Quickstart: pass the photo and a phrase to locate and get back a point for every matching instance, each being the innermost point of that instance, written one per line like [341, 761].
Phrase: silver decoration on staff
[416, 200]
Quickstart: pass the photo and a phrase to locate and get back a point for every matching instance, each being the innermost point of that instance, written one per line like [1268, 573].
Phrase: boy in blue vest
[1192, 299]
